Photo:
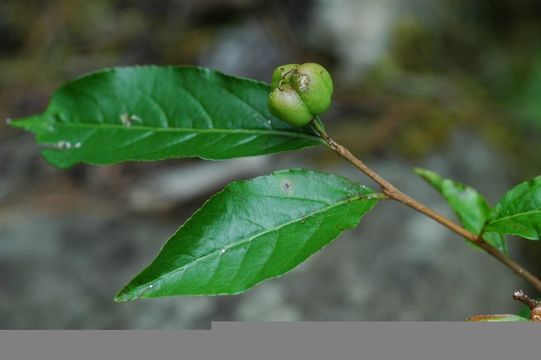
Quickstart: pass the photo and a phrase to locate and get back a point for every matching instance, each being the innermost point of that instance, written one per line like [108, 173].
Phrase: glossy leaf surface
[251, 231]
[471, 207]
[153, 113]
[519, 211]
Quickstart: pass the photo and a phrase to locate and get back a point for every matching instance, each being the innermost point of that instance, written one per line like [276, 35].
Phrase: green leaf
[471, 207]
[251, 231]
[524, 311]
[153, 113]
[497, 318]
[519, 211]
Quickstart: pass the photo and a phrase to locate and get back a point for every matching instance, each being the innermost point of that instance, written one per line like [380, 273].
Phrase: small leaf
[251, 231]
[519, 211]
[497, 318]
[153, 113]
[471, 207]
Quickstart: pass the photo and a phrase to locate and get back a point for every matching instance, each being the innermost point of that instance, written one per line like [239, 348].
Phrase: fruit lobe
[283, 71]
[314, 85]
[286, 105]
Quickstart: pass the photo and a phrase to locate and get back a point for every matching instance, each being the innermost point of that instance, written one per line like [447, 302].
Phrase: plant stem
[393, 193]
[525, 299]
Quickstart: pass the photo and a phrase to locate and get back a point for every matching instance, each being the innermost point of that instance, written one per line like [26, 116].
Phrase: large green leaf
[471, 207]
[519, 211]
[251, 231]
[152, 113]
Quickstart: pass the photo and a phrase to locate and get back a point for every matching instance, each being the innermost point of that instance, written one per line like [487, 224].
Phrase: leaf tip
[127, 293]
[424, 173]
[16, 123]
[133, 291]
[121, 296]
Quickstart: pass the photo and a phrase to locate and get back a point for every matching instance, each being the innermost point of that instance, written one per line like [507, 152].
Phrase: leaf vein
[247, 240]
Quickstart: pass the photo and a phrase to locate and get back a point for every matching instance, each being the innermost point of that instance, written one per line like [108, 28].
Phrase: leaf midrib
[200, 130]
[172, 272]
[509, 217]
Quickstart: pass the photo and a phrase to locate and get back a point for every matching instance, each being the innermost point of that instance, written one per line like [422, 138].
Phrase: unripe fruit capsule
[300, 92]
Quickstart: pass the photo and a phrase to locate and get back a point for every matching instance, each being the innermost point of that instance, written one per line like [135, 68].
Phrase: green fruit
[314, 85]
[286, 105]
[300, 92]
[282, 72]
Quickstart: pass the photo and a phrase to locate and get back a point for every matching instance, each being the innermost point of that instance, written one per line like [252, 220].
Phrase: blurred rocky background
[450, 85]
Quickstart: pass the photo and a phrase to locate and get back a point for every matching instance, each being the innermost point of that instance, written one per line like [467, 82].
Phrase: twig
[525, 299]
[393, 193]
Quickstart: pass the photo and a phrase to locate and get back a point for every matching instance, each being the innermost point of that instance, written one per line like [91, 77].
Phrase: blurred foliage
[478, 66]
